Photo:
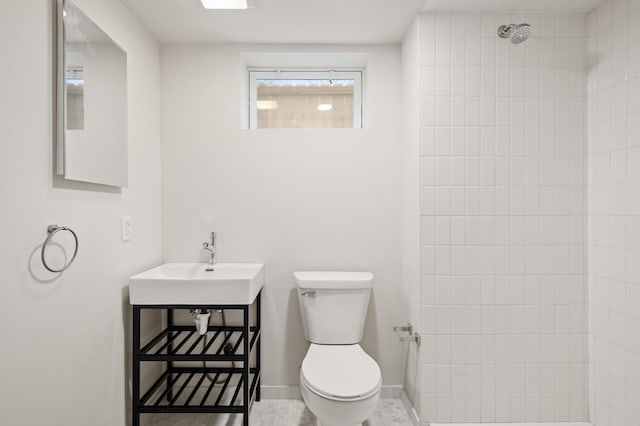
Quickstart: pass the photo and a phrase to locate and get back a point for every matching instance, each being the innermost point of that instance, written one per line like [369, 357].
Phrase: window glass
[305, 99]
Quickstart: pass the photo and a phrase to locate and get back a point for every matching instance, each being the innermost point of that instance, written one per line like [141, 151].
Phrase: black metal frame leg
[246, 384]
[135, 373]
[169, 364]
[258, 326]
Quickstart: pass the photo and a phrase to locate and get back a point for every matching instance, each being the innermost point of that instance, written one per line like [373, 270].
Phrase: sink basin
[197, 284]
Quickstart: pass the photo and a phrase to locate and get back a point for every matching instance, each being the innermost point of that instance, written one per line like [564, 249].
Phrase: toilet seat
[340, 372]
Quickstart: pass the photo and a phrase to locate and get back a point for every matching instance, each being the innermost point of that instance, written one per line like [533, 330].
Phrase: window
[305, 99]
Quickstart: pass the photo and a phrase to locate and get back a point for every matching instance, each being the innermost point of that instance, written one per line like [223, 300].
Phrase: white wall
[614, 212]
[410, 181]
[295, 199]
[65, 338]
[502, 174]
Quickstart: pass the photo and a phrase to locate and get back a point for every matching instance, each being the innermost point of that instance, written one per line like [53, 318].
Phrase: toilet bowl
[340, 384]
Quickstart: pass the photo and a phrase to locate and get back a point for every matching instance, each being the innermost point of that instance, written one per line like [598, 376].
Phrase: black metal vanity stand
[193, 388]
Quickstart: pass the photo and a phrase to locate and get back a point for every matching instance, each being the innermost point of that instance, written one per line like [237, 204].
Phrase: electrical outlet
[126, 228]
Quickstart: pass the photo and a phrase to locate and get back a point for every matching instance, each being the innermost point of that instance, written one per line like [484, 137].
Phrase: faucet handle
[211, 246]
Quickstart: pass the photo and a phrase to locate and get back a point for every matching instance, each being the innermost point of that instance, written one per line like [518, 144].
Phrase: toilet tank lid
[333, 279]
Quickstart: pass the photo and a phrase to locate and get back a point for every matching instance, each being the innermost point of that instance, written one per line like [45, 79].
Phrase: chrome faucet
[212, 248]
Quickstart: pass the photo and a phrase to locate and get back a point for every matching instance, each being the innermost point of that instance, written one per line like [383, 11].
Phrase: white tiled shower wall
[614, 212]
[503, 293]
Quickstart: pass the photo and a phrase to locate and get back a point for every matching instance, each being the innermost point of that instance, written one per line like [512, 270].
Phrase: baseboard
[391, 392]
[280, 392]
[293, 392]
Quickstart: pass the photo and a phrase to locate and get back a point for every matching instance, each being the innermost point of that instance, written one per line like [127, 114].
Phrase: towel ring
[51, 230]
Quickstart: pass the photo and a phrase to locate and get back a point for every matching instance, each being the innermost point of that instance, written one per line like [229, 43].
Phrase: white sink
[197, 284]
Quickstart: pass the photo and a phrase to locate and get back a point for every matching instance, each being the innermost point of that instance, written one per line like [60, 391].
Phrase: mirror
[91, 101]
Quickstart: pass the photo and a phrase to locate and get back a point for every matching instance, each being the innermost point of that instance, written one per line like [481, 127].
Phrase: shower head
[516, 33]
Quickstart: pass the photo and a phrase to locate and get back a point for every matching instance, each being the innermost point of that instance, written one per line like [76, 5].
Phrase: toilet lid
[341, 371]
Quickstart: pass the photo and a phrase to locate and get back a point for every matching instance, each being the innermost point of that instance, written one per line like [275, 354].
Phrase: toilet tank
[333, 305]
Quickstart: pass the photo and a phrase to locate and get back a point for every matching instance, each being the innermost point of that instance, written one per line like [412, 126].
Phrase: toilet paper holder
[406, 333]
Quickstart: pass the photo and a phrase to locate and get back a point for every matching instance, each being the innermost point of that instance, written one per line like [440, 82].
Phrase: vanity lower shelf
[218, 372]
[188, 390]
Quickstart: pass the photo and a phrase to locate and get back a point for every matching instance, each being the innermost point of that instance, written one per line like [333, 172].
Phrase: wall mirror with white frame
[91, 101]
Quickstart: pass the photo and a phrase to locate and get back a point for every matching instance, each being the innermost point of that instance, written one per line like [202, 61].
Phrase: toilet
[339, 381]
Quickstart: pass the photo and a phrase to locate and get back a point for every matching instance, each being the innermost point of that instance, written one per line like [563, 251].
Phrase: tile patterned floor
[282, 412]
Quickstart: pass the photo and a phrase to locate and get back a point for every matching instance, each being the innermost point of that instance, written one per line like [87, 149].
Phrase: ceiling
[510, 5]
[278, 21]
[313, 21]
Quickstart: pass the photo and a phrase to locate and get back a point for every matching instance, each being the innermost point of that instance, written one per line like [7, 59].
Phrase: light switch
[126, 228]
